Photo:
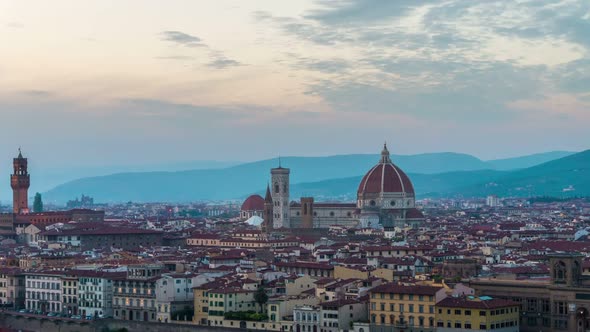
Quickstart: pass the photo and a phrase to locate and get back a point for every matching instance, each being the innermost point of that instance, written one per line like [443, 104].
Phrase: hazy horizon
[46, 178]
[141, 82]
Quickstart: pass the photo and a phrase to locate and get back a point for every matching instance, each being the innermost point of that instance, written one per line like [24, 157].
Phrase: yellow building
[201, 303]
[211, 304]
[477, 314]
[397, 307]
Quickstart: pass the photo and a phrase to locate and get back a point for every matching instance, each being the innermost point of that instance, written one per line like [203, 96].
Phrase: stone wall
[34, 324]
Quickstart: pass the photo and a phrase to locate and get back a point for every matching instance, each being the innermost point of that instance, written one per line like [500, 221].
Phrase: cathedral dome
[253, 203]
[385, 179]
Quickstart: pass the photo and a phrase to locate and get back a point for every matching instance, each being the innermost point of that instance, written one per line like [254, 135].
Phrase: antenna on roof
[279, 161]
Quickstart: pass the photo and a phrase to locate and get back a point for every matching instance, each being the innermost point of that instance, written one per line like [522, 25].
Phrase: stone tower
[306, 212]
[20, 182]
[280, 196]
[565, 268]
[267, 216]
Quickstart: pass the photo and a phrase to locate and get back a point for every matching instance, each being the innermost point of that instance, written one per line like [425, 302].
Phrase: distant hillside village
[385, 262]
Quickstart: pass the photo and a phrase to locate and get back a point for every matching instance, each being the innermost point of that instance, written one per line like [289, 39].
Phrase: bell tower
[280, 196]
[20, 182]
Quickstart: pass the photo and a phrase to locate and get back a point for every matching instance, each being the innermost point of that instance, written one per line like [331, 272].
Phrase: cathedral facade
[385, 199]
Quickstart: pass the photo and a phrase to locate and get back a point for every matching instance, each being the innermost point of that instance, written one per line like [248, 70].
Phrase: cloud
[182, 38]
[345, 12]
[464, 60]
[217, 59]
[220, 61]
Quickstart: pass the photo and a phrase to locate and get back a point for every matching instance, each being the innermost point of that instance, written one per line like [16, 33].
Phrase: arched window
[276, 188]
[559, 272]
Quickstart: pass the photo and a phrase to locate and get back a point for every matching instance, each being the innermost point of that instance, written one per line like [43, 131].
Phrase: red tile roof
[401, 289]
[463, 302]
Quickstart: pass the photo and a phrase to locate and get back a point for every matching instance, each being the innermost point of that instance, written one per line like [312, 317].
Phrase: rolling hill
[568, 176]
[433, 174]
[564, 177]
[526, 161]
[241, 180]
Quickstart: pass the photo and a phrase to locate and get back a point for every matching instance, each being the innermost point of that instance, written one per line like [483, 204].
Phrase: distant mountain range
[334, 177]
[527, 161]
[565, 177]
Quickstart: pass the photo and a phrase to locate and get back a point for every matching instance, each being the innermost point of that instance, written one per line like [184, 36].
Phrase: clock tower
[20, 182]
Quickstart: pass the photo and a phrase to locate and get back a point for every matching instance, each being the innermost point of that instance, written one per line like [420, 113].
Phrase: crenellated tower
[20, 182]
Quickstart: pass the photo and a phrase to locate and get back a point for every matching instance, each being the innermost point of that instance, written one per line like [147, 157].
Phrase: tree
[38, 203]
[260, 297]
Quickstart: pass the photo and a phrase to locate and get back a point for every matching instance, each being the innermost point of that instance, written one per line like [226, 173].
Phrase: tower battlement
[20, 181]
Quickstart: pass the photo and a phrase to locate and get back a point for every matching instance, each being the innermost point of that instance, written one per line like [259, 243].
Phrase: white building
[95, 292]
[337, 315]
[493, 201]
[174, 293]
[43, 291]
[306, 319]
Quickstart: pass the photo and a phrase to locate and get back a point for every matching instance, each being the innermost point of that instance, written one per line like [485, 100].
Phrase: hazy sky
[86, 82]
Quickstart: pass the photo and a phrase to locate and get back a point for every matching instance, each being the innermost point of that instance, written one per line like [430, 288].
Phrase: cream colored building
[12, 287]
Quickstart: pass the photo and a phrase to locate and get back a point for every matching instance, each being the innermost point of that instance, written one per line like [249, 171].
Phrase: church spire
[268, 196]
[385, 155]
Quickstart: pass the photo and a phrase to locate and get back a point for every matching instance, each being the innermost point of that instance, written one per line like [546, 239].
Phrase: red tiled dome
[253, 203]
[414, 214]
[385, 177]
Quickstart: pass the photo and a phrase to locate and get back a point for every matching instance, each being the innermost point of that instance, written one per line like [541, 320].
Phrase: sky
[119, 82]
